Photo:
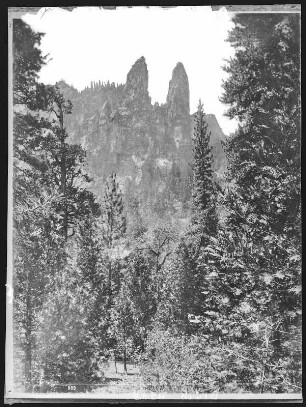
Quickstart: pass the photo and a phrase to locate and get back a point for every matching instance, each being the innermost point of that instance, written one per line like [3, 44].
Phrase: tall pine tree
[203, 192]
[204, 220]
[254, 265]
[32, 205]
[50, 196]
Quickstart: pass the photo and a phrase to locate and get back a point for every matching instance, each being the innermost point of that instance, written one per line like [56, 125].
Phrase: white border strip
[159, 396]
[9, 379]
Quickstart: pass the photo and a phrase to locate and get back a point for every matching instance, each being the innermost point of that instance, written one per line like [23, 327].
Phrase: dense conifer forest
[96, 282]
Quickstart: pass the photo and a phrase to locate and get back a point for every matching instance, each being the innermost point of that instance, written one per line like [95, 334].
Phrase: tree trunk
[262, 379]
[109, 285]
[28, 336]
[28, 356]
[115, 361]
[28, 370]
[124, 357]
[157, 277]
[63, 173]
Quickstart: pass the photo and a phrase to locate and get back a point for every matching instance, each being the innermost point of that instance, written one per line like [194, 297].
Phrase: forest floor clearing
[121, 382]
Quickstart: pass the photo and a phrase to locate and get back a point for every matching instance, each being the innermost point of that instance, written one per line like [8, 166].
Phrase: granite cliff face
[148, 146]
[178, 95]
[136, 94]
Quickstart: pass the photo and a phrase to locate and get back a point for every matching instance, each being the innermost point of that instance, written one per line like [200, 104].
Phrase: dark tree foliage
[113, 262]
[263, 93]
[93, 281]
[204, 219]
[114, 221]
[204, 223]
[48, 199]
[202, 165]
[66, 166]
[143, 294]
[30, 204]
[253, 266]
[113, 231]
[27, 62]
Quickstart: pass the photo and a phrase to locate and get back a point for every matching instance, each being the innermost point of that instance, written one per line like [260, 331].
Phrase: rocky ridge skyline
[148, 146]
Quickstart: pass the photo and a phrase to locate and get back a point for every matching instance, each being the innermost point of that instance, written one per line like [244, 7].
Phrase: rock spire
[136, 87]
[178, 94]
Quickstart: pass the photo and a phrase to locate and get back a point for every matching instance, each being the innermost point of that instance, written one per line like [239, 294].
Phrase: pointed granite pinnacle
[178, 94]
[136, 87]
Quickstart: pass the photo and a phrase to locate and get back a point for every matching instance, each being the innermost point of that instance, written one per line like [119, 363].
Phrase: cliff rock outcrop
[178, 95]
[148, 146]
[136, 94]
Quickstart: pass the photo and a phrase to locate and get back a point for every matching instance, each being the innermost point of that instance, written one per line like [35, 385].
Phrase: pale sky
[92, 44]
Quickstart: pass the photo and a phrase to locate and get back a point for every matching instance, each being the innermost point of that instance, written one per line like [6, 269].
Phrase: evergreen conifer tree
[113, 253]
[202, 166]
[203, 192]
[204, 222]
[114, 221]
[32, 205]
[47, 197]
[254, 264]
